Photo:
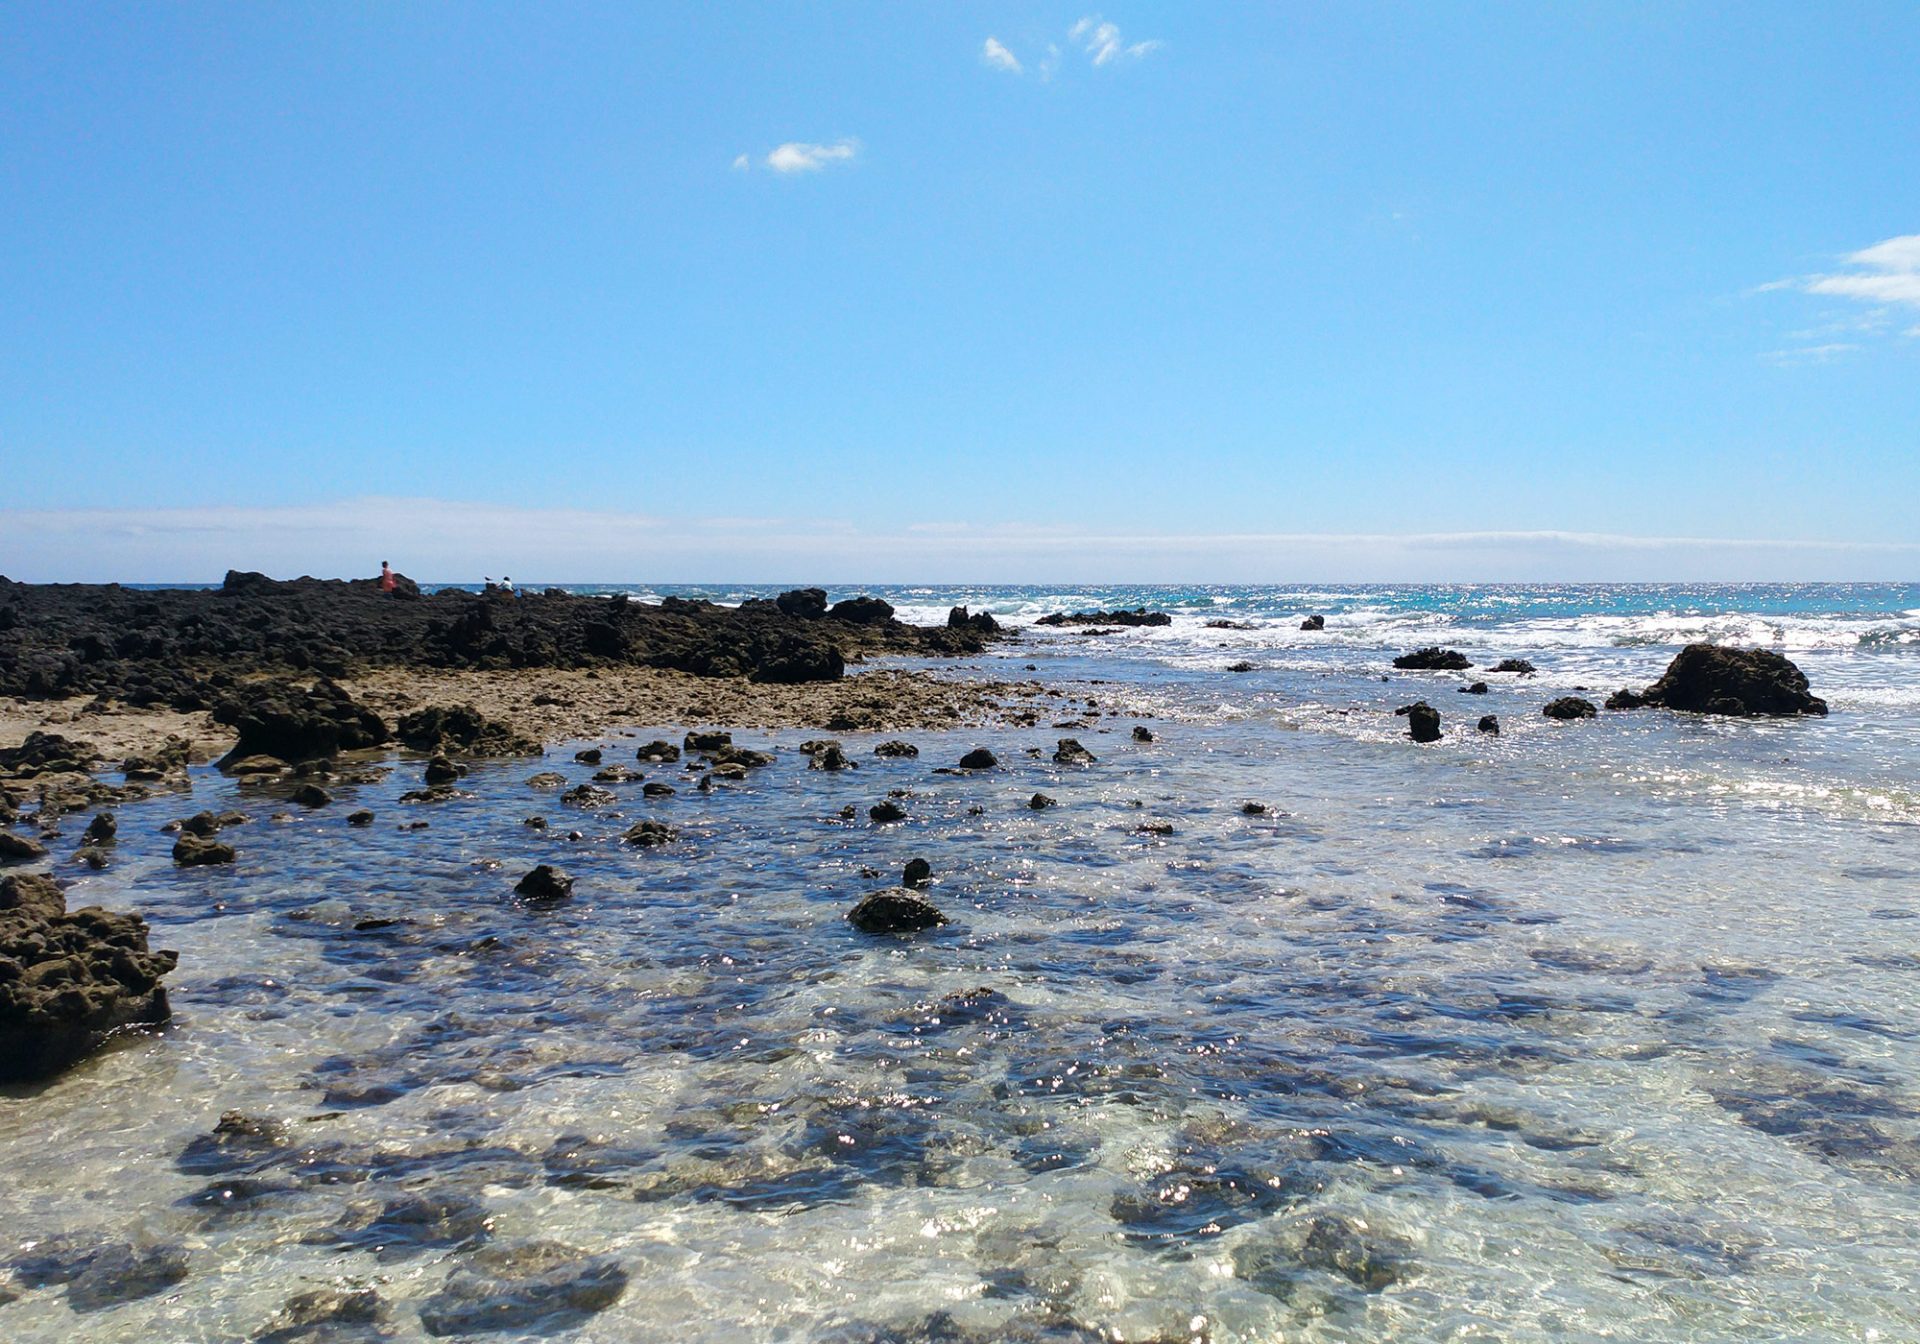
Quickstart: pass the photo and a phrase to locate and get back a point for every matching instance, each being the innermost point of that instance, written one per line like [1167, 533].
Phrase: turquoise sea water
[1601, 1030]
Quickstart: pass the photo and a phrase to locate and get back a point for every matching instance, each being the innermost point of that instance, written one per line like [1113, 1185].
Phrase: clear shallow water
[1600, 1030]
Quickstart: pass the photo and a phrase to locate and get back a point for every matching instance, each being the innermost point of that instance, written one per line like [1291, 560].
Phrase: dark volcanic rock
[862, 611]
[311, 795]
[296, 722]
[1490, 723]
[1477, 688]
[649, 834]
[916, 874]
[533, 1284]
[190, 649]
[1519, 665]
[363, 817]
[544, 883]
[1423, 721]
[830, 756]
[707, 741]
[1626, 699]
[658, 752]
[20, 849]
[1040, 802]
[959, 618]
[979, 759]
[464, 729]
[1433, 658]
[1142, 733]
[806, 604]
[67, 981]
[1569, 707]
[896, 910]
[1712, 679]
[193, 851]
[327, 1315]
[1070, 752]
[886, 812]
[102, 829]
[1314, 623]
[1138, 616]
[896, 749]
[46, 754]
[1242, 666]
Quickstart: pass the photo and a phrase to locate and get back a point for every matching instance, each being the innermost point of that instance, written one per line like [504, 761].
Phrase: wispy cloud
[1103, 44]
[450, 540]
[1887, 272]
[798, 156]
[995, 54]
[741, 163]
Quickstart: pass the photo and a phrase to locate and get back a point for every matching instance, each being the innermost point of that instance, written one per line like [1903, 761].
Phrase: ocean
[1605, 1029]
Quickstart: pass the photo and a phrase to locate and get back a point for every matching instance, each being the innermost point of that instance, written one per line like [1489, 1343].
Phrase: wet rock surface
[1716, 679]
[1423, 721]
[1137, 616]
[896, 910]
[1569, 707]
[1433, 658]
[69, 980]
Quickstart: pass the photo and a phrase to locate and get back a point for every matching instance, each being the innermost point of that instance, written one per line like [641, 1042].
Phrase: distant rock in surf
[1138, 616]
[1423, 721]
[1712, 679]
[1569, 707]
[1433, 658]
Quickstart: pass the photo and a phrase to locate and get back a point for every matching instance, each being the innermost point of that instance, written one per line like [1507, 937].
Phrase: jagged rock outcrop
[1716, 679]
[69, 980]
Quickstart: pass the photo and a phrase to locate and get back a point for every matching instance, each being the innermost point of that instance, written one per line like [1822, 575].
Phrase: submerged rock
[539, 1284]
[895, 910]
[544, 883]
[124, 1273]
[1423, 721]
[1433, 658]
[68, 981]
[327, 1315]
[1569, 707]
[546, 779]
[1713, 679]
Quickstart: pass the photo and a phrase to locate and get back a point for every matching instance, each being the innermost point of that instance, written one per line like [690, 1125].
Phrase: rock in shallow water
[979, 759]
[540, 1283]
[192, 851]
[1569, 707]
[1710, 679]
[545, 884]
[1423, 721]
[1433, 658]
[1070, 752]
[895, 910]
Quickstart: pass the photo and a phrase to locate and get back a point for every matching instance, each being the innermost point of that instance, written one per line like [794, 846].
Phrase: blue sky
[768, 292]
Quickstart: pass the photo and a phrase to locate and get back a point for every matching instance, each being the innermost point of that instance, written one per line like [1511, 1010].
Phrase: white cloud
[741, 163]
[799, 157]
[453, 541]
[1887, 272]
[997, 56]
[1103, 44]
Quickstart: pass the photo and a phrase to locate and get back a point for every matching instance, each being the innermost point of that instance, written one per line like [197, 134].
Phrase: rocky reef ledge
[69, 980]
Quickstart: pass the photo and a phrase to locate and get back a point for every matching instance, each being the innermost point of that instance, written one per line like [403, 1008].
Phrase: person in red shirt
[387, 583]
